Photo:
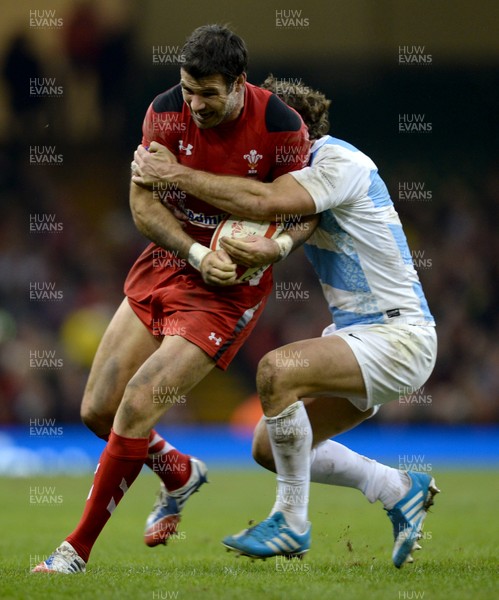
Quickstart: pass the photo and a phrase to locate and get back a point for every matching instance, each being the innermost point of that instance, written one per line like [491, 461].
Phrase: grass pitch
[349, 558]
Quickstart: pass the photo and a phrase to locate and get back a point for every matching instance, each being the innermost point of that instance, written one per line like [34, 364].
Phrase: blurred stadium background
[66, 146]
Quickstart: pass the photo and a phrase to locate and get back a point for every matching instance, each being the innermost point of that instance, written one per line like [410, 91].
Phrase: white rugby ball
[236, 227]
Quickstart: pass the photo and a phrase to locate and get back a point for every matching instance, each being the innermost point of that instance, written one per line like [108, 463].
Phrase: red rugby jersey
[267, 140]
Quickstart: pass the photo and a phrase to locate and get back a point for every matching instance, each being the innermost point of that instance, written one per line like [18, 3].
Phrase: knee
[270, 379]
[137, 412]
[98, 421]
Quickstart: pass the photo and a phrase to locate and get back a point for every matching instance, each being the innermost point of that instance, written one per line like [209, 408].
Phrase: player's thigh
[323, 366]
[168, 374]
[126, 344]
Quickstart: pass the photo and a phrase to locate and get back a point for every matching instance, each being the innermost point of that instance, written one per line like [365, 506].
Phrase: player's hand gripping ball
[236, 227]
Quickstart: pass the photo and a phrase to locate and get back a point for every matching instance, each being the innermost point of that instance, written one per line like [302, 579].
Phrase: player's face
[209, 99]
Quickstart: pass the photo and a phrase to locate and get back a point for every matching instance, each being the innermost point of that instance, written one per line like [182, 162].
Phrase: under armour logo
[214, 338]
[187, 149]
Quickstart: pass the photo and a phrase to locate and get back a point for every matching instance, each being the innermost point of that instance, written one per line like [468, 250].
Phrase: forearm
[246, 197]
[236, 195]
[300, 231]
[296, 235]
[157, 223]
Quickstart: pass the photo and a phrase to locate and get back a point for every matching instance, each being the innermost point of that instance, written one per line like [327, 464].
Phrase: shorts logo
[252, 157]
[187, 149]
[354, 336]
[213, 337]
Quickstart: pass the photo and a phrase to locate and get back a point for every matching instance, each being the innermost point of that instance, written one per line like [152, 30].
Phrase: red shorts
[171, 298]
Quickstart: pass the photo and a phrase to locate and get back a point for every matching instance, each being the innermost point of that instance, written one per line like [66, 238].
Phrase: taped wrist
[285, 243]
[196, 254]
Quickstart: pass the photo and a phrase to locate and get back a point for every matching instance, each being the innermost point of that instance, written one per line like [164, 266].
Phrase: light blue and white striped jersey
[359, 250]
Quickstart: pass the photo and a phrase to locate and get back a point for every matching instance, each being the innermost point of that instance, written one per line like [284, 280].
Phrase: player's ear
[239, 82]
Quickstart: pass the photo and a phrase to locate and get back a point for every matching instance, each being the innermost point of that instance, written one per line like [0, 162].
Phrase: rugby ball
[236, 227]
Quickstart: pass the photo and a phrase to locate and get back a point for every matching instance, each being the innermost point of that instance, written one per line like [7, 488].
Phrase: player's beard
[233, 107]
[230, 112]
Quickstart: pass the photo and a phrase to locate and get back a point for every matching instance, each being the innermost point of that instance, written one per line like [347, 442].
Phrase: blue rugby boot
[408, 514]
[271, 537]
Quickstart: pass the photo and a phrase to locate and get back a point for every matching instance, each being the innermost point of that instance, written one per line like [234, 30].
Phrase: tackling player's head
[311, 104]
[213, 75]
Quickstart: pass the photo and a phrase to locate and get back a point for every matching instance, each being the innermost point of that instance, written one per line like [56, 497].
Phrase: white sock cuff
[289, 411]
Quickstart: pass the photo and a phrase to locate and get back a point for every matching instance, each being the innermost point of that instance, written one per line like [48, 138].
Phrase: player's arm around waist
[237, 195]
[242, 196]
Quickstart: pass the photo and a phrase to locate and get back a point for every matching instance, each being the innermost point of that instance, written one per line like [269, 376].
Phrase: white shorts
[395, 360]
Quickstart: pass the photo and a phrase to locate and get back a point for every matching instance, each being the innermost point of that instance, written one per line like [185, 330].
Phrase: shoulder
[330, 149]
[279, 117]
[163, 121]
[169, 101]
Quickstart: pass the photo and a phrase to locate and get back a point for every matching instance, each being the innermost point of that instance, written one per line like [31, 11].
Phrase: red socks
[119, 465]
[173, 467]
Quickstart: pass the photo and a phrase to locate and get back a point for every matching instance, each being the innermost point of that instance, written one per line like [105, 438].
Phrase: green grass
[349, 559]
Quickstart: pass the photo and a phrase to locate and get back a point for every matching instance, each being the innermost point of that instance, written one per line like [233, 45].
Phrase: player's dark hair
[212, 50]
[311, 104]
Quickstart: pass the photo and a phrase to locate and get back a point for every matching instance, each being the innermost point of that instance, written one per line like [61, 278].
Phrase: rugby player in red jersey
[362, 259]
[175, 325]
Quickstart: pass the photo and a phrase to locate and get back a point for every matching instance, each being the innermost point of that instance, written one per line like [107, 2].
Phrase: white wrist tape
[196, 254]
[285, 243]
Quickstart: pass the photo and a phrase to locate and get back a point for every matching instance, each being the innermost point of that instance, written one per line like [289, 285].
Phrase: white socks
[290, 436]
[335, 464]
